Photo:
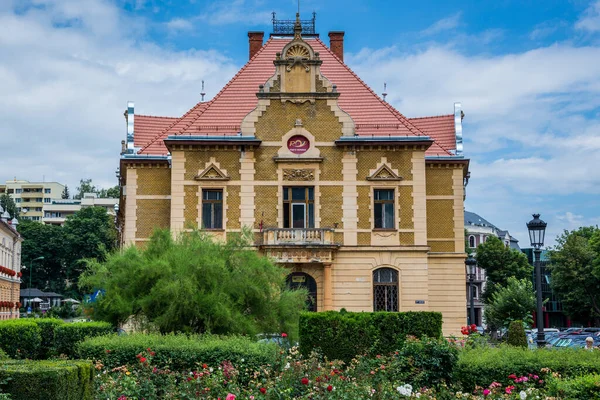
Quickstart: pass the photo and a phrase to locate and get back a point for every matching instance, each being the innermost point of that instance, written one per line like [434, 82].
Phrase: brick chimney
[255, 40]
[336, 43]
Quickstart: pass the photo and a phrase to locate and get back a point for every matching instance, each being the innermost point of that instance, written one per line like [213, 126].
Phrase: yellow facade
[339, 243]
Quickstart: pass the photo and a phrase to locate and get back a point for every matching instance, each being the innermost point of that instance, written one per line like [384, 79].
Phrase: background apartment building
[32, 197]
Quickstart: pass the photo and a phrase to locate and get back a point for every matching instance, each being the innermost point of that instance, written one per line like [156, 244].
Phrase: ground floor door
[297, 280]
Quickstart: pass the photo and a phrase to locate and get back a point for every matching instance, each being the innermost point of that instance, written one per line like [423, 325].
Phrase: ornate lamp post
[470, 264]
[537, 231]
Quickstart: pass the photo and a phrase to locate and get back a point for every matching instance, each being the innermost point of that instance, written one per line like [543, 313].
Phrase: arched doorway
[297, 280]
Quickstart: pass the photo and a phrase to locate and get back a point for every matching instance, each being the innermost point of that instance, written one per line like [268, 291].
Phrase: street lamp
[537, 231]
[470, 264]
[31, 271]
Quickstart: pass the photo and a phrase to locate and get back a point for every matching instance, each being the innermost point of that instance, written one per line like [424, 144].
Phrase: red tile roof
[440, 128]
[224, 113]
[147, 128]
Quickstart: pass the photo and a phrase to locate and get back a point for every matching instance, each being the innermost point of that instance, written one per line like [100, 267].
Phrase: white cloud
[444, 24]
[179, 24]
[68, 69]
[590, 21]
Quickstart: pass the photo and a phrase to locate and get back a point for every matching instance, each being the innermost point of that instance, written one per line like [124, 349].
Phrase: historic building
[10, 266]
[362, 204]
[477, 231]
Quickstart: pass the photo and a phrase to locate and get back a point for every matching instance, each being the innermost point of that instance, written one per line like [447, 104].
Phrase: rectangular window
[298, 207]
[384, 208]
[212, 209]
[47, 200]
[18, 200]
[47, 190]
[18, 190]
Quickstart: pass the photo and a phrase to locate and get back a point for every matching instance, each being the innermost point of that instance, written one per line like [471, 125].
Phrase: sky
[526, 72]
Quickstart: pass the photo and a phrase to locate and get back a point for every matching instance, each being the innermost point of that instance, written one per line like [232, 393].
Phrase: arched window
[472, 241]
[385, 289]
[297, 280]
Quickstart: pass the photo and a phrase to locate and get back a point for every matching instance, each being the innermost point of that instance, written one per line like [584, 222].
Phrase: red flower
[329, 388]
[152, 353]
[284, 334]
[263, 390]
[204, 366]
[512, 376]
[142, 359]
[304, 381]
[107, 351]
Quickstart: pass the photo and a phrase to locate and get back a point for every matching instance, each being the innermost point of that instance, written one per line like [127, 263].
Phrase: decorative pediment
[212, 173]
[384, 173]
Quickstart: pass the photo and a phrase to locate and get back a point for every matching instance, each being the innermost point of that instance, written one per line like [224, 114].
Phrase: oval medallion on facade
[298, 144]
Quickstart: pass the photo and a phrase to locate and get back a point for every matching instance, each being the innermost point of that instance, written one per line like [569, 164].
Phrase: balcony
[310, 245]
[298, 237]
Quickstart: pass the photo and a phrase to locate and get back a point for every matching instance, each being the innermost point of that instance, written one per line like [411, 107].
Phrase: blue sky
[526, 72]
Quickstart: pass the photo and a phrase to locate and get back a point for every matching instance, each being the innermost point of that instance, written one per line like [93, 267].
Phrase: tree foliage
[8, 204]
[500, 263]
[515, 302]
[195, 284]
[89, 233]
[65, 193]
[85, 186]
[46, 241]
[575, 271]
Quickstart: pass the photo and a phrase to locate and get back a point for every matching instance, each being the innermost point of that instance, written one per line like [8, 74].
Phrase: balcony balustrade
[298, 237]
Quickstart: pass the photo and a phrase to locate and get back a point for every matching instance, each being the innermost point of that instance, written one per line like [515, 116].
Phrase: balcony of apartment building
[299, 244]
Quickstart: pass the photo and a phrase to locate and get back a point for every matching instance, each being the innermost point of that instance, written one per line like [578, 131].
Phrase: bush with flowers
[294, 376]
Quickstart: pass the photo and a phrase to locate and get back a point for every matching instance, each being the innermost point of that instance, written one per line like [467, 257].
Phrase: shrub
[43, 380]
[342, 335]
[66, 336]
[20, 338]
[481, 367]
[581, 387]
[178, 352]
[516, 334]
[47, 331]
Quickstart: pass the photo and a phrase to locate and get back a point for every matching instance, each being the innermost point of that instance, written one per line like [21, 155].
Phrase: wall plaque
[298, 144]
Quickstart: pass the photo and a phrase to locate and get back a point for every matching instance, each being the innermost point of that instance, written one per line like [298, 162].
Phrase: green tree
[65, 193]
[8, 204]
[500, 263]
[90, 234]
[85, 186]
[515, 302]
[196, 284]
[47, 241]
[113, 193]
[575, 271]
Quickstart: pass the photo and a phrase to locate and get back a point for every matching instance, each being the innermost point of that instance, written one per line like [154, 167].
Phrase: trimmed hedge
[481, 367]
[516, 335]
[45, 380]
[20, 338]
[66, 336]
[343, 335]
[178, 352]
[582, 387]
[48, 327]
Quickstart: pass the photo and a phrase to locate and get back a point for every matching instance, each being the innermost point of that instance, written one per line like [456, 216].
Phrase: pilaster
[247, 194]
[177, 191]
[130, 228]
[349, 199]
[419, 198]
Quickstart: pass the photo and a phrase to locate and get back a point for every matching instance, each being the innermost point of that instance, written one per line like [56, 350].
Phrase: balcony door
[298, 207]
[301, 280]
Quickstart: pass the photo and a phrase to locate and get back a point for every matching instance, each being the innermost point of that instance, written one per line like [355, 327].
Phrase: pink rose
[230, 396]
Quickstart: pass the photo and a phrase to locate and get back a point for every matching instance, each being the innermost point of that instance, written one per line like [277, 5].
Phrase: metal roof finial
[384, 94]
[298, 27]
[202, 92]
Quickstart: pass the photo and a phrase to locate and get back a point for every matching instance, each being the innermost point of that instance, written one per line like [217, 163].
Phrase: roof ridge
[396, 113]
[230, 82]
[154, 116]
[432, 116]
